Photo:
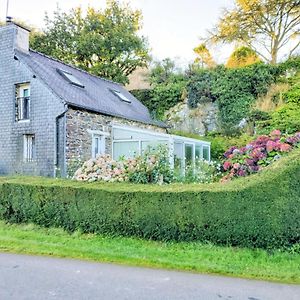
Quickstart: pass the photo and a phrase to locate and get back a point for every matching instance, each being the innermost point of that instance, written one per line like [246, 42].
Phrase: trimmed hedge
[262, 210]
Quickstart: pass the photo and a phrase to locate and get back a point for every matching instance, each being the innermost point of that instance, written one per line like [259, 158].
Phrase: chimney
[21, 35]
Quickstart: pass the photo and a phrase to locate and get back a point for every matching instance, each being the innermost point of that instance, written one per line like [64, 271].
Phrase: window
[70, 78]
[29, 147]
[126, 149]
[198, 152]
[98, 145]
[121, 96]
[22, 102]
[206, 153]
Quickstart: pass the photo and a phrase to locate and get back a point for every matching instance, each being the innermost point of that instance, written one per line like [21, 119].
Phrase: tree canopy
[104, 42]
[204, 58]
[242, 57]
[267, 26]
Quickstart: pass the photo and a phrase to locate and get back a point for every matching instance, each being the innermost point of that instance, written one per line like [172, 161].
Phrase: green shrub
[293, 95]
[219, 143]
[286, 118]
[260, 211]
[162, 96]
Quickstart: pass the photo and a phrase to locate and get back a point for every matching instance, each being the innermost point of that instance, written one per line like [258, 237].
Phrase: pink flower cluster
[257, 154]
[104, 168]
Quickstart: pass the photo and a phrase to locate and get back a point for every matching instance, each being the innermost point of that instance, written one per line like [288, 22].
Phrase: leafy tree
[204, 57]
[267, 26]
[162, 71]
[167, 87]
[242, 57]
[103, 42]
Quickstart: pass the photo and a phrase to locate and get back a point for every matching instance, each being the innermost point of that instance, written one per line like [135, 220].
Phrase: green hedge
[260, 211]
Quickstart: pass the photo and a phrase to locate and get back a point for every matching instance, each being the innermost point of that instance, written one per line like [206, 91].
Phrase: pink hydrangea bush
[151, 167]
[103, 168]
[257, 154]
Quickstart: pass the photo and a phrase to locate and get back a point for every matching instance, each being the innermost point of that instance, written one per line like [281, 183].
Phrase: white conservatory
[129, 142]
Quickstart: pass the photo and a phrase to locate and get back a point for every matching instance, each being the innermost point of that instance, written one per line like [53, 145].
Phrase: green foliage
[234, 90]
[31, 239]
[162, 71]
[293, 95]
[167, 87]
[219, 142]
[286, 118]
[200, 86]
[260, 211]
[202, 171]
[152, 166]
[167, 95]
[104, 42]
[258, 115]
[267, 26]
[241, 57]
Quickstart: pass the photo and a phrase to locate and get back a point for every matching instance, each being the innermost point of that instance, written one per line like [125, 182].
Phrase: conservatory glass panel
[198, 152]
[188, 154]
[178, 156]
[206, 153]
[152, 145]
[125, 149]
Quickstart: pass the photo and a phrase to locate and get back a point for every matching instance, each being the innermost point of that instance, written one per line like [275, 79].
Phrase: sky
[173, 27]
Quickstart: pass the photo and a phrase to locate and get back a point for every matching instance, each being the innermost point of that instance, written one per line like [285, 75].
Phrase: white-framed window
[23, 102]
[98, 145]
[29, 147]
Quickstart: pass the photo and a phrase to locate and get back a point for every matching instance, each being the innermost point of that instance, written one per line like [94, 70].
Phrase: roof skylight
[121, 96]
[70, 77]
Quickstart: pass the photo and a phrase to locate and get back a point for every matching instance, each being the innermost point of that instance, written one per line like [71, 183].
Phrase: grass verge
[196, 257]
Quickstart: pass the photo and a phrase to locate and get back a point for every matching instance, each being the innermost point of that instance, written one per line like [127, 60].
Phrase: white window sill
[24, 121]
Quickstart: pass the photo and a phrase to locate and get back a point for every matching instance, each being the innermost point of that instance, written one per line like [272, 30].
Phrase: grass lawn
[195, 257]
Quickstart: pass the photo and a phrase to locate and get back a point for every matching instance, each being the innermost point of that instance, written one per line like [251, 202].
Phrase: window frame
[72, 79]
[121, 96]
[29, 148]
[20, 106]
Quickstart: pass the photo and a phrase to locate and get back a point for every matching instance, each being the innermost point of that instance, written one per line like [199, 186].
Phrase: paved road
[42, 278]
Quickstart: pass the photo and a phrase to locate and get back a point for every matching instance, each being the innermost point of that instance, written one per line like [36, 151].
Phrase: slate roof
[95, 96]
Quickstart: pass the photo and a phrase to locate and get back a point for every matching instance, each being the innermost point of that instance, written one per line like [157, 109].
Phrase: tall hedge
[260, 211]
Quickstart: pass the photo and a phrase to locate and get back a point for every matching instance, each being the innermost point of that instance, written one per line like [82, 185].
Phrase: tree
[168, 84]
[161, 71]
[204, 57]
[266, 26]
[103, 42]
[242, 57]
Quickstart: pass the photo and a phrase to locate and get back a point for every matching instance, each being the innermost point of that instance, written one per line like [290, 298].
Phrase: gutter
[56, 138]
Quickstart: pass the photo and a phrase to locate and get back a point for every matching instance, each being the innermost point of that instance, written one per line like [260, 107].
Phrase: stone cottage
[53, 113]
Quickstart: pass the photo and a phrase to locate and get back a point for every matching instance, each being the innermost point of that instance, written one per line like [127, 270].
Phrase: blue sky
[173, 27]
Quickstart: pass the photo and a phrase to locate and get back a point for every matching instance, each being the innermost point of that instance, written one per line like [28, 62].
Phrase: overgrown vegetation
[167, 88]
[261, 211]
[234, 90]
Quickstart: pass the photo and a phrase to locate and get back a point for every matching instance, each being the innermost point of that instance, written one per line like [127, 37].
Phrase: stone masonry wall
[199, 120]
[79, 139]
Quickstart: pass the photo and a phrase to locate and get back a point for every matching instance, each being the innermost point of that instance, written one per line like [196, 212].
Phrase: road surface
[42, 278]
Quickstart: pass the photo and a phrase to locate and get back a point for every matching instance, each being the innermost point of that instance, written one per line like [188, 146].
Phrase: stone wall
[79, 123]
[199, 120]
